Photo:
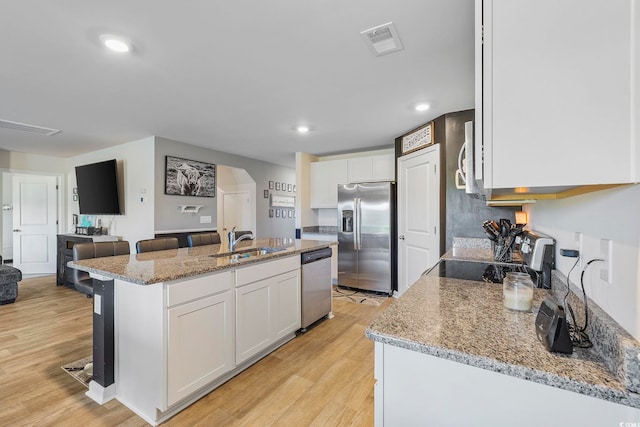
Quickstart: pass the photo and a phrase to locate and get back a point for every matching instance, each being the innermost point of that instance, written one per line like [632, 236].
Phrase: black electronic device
[552, 329]
[98, 188]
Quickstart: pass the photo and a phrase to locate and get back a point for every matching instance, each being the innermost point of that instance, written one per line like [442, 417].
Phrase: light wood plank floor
[321, 378]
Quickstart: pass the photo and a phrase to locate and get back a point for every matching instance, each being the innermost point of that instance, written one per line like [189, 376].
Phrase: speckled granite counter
[465, 321]
[162, 266]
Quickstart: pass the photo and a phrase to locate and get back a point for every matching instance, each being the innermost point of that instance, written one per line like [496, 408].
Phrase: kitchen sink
[248, 253]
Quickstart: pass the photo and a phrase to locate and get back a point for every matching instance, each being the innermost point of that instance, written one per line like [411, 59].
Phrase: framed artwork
[289, 188]
[266, 194]
[75, 190]
[277, 186]
[270, 213]
[270, 185]
[277, 213]
[294, 188]
[284, 186]
[290, 214]
[75, 197]
[184, 177]
[282, 201]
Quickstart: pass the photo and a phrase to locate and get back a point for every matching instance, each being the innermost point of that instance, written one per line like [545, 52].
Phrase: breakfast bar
[187, 320]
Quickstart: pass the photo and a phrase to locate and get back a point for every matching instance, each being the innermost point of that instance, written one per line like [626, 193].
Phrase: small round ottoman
[9, 278]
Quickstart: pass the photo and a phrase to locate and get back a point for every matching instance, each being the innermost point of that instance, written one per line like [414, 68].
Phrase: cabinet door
[384, 167]
[253, 319]
[559, 92]
[200, 344]
[286, 303]
[325, 178]
[360, 169]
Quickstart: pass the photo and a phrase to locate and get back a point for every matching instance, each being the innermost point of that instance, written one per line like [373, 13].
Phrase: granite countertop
[465, 321]
[162, 266]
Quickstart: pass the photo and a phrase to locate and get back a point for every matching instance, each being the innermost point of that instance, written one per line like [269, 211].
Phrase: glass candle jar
[517, 289]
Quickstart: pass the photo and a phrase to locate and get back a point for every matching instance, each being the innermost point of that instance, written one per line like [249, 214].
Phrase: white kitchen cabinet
[557, 92]
[267, 305]
[200, 344]
[253, 319]
[325, 178]
[372, 168]
[412, 387]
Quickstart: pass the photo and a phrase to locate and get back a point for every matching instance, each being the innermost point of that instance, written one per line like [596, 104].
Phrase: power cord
[579, 336]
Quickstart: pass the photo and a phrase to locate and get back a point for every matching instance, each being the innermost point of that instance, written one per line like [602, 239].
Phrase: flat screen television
[97, 185]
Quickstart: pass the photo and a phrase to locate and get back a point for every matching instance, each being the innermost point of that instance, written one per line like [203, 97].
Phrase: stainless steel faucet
[233, 241]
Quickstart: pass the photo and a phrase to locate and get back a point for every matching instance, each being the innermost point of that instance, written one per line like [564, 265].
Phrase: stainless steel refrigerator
[366, 243]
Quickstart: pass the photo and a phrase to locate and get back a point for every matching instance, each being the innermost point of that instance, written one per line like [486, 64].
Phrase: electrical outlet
[578, 244]
[606, 253]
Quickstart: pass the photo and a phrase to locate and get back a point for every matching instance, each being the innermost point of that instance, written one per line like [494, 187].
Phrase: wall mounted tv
[97, 185]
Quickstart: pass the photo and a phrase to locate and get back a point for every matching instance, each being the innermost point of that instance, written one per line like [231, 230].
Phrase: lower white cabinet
[253, 319]
[200, 344]
[267, 305]
[415, 389]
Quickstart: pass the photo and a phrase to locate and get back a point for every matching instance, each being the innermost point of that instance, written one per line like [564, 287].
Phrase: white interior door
[236, 212]
[418, 214]
[34, 223]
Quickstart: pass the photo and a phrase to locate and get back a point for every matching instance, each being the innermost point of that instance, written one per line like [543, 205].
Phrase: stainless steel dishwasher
[316, 286]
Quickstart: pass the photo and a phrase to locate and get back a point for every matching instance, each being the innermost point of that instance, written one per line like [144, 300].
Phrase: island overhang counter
[170, 326]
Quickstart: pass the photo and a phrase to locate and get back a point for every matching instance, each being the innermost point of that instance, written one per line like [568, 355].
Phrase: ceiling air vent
[382, 39]
[6, 124]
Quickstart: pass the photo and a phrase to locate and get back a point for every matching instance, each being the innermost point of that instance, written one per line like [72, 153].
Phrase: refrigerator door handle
[357, 237]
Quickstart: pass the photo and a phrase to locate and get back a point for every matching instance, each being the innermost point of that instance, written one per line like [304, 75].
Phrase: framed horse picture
[184, 177]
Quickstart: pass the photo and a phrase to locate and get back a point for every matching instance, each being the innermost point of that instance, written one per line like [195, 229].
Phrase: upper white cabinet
[325, 178]
[558, 92]
[372, 168]
[327, 175]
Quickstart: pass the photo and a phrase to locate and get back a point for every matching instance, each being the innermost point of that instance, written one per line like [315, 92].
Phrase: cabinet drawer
[264, 270]
[199, 287]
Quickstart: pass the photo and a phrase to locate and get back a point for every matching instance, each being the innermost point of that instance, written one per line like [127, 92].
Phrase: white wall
[305, 216]
[609, 214]
[136, 183]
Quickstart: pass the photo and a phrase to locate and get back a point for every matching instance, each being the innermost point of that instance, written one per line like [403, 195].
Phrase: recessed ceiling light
[302, 129]
[115, 43]
[422, 107]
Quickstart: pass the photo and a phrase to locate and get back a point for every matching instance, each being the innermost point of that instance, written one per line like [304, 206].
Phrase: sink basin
[249, 253]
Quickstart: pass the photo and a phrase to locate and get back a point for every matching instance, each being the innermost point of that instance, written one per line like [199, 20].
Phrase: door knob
[401, 237]
[17, 231]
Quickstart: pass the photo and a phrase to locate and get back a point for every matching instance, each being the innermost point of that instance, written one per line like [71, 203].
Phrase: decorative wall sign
[418, 139]
[281, 201]
[189, 178]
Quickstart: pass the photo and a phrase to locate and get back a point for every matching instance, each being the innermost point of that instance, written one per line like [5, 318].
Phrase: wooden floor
[321, 378]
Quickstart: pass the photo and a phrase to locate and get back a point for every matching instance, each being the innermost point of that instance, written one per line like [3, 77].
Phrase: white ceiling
[235, 76]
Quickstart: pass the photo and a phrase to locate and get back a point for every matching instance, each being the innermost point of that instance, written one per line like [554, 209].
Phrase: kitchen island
[187, 320]
[448, 353]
